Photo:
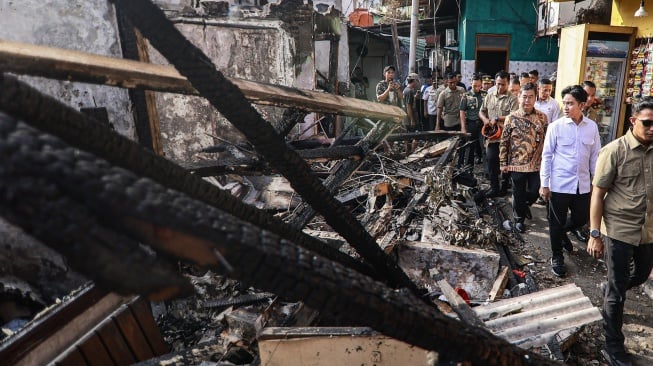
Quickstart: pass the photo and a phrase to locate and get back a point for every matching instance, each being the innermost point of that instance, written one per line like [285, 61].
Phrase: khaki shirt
[449, 101]
[625, 168]
[495, 105]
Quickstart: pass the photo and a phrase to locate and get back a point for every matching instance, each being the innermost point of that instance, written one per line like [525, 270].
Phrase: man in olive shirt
[496, 106]
[449, 105]
[621, 210]
[470, 105]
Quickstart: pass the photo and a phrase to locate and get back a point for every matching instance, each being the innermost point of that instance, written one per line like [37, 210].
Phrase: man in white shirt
[545, 103]
[571, 147]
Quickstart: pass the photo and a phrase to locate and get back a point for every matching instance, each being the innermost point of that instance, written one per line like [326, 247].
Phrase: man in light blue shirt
[571, 147]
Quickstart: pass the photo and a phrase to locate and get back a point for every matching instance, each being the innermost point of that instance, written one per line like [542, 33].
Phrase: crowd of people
[546, 152]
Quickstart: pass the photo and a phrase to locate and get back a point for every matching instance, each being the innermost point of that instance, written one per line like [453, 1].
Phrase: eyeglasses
[646, 122]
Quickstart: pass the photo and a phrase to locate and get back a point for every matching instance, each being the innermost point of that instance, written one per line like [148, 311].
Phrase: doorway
[492, 53]
[491, 62]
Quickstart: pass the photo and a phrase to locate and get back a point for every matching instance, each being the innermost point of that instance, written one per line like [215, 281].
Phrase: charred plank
[229, 100]
[38, 168]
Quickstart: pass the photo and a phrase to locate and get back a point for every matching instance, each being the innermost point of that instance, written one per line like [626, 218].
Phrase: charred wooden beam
[45, 113]
[427, 135]
[304, 213]
[62, 64]
[423, 191]
[229, 100]
[254, 166]
[290, 118]
[42, 179]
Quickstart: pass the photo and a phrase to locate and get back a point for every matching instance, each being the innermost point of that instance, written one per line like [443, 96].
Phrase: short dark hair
[534, 72]
[526, 87]
[450, 75]
[545, 81]
[502, 75]
[589, 83]
[476, 77]
[514, 80]
[524, 75]
[575, 91]
[644, 103]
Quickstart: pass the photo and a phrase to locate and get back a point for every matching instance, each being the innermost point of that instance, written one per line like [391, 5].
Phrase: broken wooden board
[64, 64]
[318, 346]
[540, 316]
[457, 303]
[500, 284]
[427, 152]
[473, 270]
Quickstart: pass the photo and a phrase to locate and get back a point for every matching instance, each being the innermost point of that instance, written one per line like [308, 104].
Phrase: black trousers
[467, 157]
[430, 126]
[559, 204]
[628, 266]
[525, 191]
[492, 159]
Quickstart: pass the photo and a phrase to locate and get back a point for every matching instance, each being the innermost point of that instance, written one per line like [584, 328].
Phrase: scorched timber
[38, 171]
[229, 100]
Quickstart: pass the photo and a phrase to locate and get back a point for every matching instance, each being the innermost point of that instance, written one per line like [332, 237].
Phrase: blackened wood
[229, 100]
[426, 136]
[19, 99]
[304, 212]
[140, 109]
[291, 117]
[39, 171]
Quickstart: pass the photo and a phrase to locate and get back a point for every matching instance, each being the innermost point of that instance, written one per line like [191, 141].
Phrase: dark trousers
[467, 156]
[559, 204]
[628, 266]
[430, 126]
[492, 158]
[525, 190]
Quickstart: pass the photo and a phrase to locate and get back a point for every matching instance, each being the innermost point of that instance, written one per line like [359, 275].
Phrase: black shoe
[558, 266]
[580, 235]
[617, 358]
[520, 227]
[528, 213]
[566, 243]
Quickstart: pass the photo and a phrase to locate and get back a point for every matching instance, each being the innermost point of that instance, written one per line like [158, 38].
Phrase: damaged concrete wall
[258, 51]
[82, 25]
[270, 44]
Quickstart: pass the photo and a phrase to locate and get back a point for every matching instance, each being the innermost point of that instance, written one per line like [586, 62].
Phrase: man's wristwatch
[595, 233]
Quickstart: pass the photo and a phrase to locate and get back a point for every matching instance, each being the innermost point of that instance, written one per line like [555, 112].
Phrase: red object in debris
[361, 18]
[518, 273]
[462, 293]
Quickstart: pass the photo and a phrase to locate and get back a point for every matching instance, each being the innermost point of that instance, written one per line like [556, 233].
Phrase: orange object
[492, 132]
[361, 17]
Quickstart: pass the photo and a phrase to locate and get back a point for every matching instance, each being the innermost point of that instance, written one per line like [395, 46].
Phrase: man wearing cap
[388, 91]
[470, 105]
[486, 82]
[449, 105]
[495, 108]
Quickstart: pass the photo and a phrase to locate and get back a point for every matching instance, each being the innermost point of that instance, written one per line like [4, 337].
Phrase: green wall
[514, 17]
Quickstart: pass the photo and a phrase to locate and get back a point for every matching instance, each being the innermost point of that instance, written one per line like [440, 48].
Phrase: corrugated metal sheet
[420, 49]
[532, 320]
